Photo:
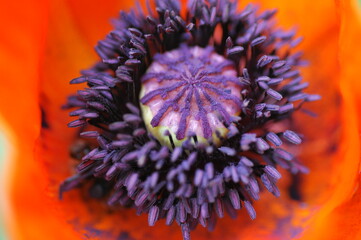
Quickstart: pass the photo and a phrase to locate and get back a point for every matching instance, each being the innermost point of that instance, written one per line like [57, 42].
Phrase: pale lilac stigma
[190, 91]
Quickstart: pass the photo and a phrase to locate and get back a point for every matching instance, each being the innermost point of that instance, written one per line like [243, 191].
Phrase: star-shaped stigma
[190, 91]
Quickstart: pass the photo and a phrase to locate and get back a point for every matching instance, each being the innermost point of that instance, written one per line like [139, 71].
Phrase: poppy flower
[58, 43]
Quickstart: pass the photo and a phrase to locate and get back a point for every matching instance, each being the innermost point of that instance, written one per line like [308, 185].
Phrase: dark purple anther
[184, 115]
[292, 137]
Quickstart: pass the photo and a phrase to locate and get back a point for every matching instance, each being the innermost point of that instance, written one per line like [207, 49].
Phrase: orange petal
[26, 62]
[342, 211]
[22, 47]
[92, 18]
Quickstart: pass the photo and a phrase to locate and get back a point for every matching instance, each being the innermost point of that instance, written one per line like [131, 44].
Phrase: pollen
[190, 92]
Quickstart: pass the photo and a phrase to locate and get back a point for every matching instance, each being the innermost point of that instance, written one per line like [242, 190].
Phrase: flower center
[190, 92]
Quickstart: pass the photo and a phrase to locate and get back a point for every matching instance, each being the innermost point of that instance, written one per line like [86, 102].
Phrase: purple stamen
[182, 123]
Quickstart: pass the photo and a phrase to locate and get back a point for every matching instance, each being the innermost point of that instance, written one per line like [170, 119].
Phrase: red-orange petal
[340, 218]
